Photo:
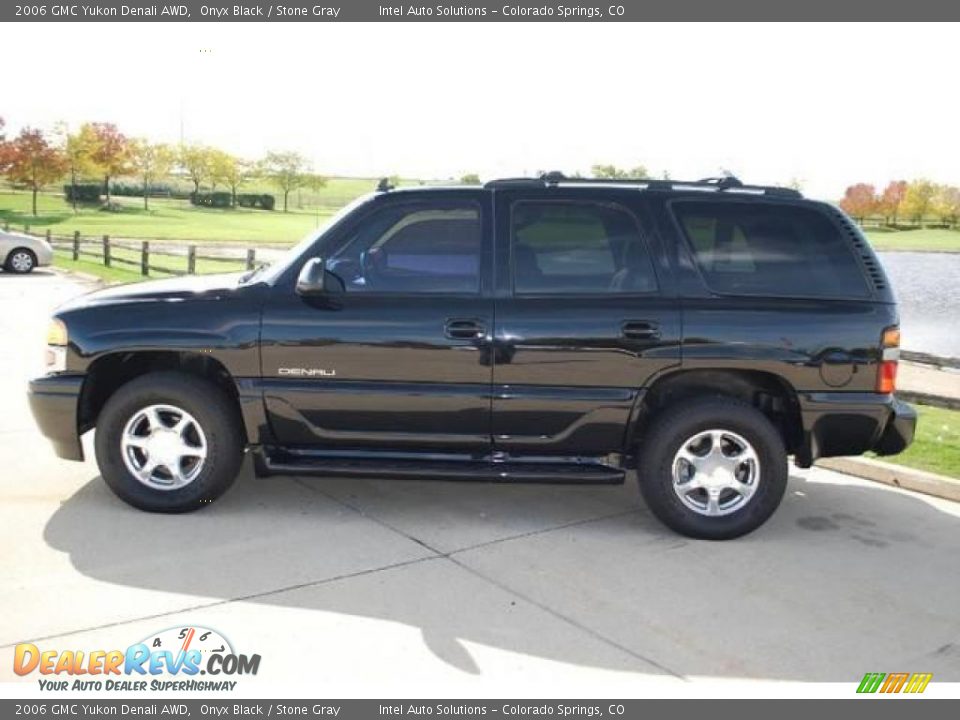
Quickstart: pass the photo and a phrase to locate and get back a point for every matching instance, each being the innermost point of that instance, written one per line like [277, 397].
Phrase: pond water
[928, 291]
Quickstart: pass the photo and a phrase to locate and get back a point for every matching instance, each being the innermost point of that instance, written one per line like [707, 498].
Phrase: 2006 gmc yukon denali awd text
[527, 330]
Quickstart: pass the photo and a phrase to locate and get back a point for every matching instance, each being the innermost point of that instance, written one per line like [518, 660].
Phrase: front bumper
[54, 401]
[837, 423]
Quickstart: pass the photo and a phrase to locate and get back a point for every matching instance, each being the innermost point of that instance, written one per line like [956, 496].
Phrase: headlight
[57, 333]
[55, 358]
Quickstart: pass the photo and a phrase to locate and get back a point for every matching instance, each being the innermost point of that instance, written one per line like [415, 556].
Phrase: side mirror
[312, 277]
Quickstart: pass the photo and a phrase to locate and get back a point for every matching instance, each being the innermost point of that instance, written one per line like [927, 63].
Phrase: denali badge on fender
[307, 372]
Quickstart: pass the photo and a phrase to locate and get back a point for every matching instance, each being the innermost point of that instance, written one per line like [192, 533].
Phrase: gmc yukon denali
[533, 329]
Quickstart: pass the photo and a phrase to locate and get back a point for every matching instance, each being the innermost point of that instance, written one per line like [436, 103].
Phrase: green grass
[178, 220]
[919, 240]
[936, 447]
[91, 267]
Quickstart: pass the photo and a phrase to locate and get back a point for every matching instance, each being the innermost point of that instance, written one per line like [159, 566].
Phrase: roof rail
[718, 184]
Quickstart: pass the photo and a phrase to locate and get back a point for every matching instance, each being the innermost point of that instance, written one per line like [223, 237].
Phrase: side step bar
[477, 470]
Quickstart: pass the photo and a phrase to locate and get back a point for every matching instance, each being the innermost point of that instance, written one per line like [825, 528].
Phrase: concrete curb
[889, 474]
[79, 275]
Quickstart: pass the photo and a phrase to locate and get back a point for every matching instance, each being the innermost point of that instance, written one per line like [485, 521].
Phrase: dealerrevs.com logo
[173, 659]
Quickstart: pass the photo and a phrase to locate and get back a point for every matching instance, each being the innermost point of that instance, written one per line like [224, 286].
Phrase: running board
[476, 470]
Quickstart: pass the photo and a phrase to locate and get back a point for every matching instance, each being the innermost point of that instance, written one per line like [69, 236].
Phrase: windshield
[269, 272]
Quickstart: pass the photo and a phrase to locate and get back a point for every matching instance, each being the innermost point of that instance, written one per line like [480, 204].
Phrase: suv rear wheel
[169, 442]
[712, 468]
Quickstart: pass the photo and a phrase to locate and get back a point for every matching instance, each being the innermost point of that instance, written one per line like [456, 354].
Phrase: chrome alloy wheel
[715, 472]
[164, 447]
[21, 262]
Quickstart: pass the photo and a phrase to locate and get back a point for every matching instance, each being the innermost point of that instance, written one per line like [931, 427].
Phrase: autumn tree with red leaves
[4, 147]
[859, 201]
[33, 162]
[891, 202]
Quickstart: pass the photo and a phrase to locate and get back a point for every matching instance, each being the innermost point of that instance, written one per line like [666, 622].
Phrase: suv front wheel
[713, 468]
[169, 442]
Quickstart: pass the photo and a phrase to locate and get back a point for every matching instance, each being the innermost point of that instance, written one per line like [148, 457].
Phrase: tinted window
[414, 248]
[763, 249]
[569, 248]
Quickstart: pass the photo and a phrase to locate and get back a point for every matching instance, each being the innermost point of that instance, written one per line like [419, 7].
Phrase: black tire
[671, 428]
[213, 410]
[9, 264]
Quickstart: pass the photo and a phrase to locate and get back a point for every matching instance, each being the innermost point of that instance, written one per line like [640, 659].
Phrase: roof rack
[717, 184]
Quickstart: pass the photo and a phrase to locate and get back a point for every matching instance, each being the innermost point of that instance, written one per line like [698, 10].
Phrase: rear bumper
[839, 423]
[899, 430]
[54, 400]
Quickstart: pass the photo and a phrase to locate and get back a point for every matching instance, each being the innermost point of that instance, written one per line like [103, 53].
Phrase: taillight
[889, 357]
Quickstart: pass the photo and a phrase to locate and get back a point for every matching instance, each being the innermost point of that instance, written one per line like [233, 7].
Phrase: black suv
[546, 329]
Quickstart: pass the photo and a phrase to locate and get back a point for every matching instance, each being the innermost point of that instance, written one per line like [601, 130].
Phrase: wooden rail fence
[134, 254]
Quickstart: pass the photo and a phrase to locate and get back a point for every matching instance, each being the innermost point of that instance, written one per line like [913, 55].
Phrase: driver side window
[423, 247]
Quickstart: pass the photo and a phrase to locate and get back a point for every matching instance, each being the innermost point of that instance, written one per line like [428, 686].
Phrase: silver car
[21, 253]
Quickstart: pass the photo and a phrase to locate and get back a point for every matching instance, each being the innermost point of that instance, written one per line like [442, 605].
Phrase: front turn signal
[889, 360]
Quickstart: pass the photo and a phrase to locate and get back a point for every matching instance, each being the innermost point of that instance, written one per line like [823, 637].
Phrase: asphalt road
[380, 588]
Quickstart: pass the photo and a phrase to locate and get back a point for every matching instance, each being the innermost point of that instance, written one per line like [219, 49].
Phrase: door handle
[640, 330]
[464, 329]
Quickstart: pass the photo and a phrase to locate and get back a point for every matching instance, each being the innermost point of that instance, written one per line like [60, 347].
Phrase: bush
[136, 190]
[902, 226]
[87, 193]
[252, 200]
[225, 200]
[212, 199]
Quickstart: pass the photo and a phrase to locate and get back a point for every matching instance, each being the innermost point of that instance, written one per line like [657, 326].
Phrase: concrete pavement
[351, 587]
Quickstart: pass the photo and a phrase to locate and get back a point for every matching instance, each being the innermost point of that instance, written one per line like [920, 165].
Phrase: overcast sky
[829, 105]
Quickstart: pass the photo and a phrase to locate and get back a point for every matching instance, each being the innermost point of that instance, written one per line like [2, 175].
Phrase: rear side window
[567, 247]
[766, 249]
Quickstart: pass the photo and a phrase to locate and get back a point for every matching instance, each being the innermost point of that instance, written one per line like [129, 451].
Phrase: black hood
[179, 288]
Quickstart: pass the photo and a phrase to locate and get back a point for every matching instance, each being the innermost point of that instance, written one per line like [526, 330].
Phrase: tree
[32, 161]
[78, 149]
[196, 162]
[289, 171]
[891, 201]
[111, 152]
[151, 162]
[315, 182]
[612, 172]
[4, 147]
[859, 201]
[918, 200]
[231, 171]
[947, 204]
[470, 179]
